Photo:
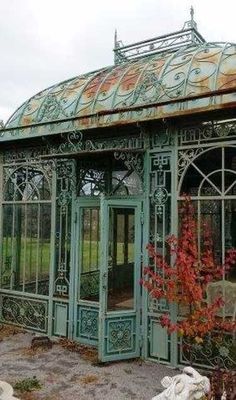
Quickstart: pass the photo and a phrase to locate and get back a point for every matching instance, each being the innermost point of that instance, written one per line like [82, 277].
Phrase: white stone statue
[6, 391]
[189, 385]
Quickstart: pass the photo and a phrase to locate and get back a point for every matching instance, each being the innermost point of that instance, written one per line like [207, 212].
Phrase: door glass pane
[89, 254]
[121, 259]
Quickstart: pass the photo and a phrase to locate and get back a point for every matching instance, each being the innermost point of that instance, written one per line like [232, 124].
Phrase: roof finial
[191, 24]
[115, 39]
[192, 14]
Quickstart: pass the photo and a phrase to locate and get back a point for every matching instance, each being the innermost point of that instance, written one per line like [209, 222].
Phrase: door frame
[124, 319]
[85, 312]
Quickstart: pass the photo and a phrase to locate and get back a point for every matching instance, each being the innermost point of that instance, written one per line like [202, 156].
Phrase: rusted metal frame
[167, 63]
[118, 85]
[218, 67]
[190, 66]
[87, 83]
[99, 87]
[141, 75]
[50, 89]
[132, 108]
[27, 103]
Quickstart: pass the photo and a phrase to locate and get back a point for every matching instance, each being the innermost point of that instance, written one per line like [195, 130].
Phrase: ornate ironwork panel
[160, 228]
[87, 324]
[207, 132]
[212, 352]
[66, 186]
[26, 312]
[120, 335]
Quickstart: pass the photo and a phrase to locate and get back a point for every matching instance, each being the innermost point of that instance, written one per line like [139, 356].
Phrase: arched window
[210, 180]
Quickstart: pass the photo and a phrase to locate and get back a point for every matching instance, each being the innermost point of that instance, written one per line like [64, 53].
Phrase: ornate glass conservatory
[92, 169]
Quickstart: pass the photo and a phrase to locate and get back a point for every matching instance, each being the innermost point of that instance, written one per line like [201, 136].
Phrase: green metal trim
[125, 320]
[146, 230]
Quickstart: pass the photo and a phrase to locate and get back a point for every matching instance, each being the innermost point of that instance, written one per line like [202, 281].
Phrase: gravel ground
[70, 373]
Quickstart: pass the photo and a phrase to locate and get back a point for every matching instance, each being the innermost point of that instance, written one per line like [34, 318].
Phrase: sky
[43, 42]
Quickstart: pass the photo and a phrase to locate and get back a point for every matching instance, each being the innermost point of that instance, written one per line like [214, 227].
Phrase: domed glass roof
[196, 77]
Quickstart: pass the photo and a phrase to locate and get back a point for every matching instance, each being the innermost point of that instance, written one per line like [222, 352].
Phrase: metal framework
[78, 207]
[71, 280]
[172, 42]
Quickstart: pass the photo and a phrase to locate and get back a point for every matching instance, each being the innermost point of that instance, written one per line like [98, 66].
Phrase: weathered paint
[152, 87]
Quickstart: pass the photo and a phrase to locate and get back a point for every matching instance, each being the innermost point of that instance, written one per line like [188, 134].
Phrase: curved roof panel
[171, 83]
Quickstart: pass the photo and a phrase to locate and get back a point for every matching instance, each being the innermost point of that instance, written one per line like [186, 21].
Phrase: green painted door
[119, 314]
[87, 271]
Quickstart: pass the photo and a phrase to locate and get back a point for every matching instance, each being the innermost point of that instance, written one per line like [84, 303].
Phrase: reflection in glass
[26, 247]
[121, 259]
[89, 254]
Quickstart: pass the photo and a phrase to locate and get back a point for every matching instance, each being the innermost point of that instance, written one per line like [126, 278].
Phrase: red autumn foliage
[185, 281]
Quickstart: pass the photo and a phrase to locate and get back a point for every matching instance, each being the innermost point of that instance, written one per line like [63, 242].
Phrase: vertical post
[73, 269]
[52, 252]
[104, 218]
[1, 222]
[146, 230]
[174, 230]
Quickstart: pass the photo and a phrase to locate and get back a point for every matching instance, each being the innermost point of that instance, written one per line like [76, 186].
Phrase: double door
[107, 285]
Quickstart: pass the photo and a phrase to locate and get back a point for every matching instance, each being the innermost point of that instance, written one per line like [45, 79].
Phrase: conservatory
[93, 168]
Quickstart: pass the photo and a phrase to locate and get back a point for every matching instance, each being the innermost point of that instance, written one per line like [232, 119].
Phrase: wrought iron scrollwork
[25, 312]
[213, 352]
[66, 186]
[208, 132]
[133, 161]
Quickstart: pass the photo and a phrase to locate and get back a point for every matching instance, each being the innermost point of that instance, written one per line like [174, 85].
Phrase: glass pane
[43, 248]
[89, 254]
[8, 246]
[26, 183]
[26, 247]
[121, 259]
[126, 183]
